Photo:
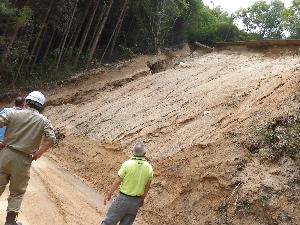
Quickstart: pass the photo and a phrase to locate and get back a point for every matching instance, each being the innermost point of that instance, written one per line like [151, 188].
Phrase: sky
[234, 5]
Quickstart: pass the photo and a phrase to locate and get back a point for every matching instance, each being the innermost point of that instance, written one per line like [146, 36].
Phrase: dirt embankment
[198, 119]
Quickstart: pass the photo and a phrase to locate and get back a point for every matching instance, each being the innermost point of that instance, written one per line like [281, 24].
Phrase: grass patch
[280, 138]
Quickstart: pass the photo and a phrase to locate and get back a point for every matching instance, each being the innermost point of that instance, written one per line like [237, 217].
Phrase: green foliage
[2, 38]
[6, 9]
[20, 16]
[211, 25]
[125, 53]
[32, 39]
[267, 20]
[292, 17]
[280, 139]
[271, 135]
[23, 15]
[243, 207]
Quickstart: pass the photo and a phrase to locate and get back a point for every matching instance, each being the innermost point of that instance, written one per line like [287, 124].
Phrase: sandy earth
[55, 196]
[197, 119]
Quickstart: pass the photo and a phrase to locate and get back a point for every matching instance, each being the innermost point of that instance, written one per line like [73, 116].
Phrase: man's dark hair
[34, 105]
[19, 102]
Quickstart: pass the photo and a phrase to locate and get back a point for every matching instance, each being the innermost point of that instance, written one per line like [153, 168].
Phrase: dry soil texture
[198, 119]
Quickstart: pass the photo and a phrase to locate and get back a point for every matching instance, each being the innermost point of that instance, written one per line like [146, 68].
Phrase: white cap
[37, 97]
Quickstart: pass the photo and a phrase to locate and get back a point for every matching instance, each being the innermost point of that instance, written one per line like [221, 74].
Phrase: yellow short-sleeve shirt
[135, 174]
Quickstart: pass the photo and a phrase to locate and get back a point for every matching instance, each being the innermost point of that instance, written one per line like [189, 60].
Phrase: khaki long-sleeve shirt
[25, 130]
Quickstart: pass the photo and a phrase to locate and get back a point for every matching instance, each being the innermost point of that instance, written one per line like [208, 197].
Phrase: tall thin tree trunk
[38, 50]
[66, 35]
[115, 30]
[69, 42]
[48, 48]
[86, 31]
[13, 83]
[75, 39]
[118, 29]
[129, 28]
[97, 27]
[44, 24]
[97, 37]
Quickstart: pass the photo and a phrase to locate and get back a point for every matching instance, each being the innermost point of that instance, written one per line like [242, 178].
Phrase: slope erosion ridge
[197, 121]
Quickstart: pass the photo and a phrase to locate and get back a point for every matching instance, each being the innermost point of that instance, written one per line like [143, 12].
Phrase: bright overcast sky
[234, 5]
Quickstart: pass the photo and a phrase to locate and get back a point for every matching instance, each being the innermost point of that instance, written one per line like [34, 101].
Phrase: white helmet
[37, 97]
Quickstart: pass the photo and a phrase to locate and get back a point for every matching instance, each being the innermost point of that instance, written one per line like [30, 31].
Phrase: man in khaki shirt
[28, 135]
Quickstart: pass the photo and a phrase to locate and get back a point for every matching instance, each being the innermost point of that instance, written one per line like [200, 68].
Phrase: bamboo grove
[46, 40]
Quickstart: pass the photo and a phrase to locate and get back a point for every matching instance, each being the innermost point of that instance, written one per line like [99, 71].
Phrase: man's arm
[47, 143]
[114, 187]
[147, 188]
[4, 119]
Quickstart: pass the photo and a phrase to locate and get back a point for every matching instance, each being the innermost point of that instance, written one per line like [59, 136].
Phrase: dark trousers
[123, 209]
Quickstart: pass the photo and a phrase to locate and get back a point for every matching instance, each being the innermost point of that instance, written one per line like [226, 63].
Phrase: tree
[293, 19]
[116, 31]
[21, 17]
[99, 31]
[267, 20]
[86, 30]
[45, 40]
[66, 35]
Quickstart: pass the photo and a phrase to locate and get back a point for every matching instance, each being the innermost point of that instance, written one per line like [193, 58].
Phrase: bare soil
[55, 196]
[199, 119]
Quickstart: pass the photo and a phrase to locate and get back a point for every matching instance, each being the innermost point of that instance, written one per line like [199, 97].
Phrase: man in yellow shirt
[28, 136]
[134, 180]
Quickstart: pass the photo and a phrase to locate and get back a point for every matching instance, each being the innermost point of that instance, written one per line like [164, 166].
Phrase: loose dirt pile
[198, 119]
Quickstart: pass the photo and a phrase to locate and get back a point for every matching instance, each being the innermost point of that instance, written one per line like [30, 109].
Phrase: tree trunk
[85, 33]
[38, 50]
[44, 24]
[74, 41]
[48, 48]
[97, 27]
[69, 42]
[99, 32]
[13, 83]
[66, 35]
[12, 41]
[115, 32]
[129, 28]
[118, 32]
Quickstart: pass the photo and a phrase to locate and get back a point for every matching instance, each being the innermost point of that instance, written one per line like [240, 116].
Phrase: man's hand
[36, 155]
[107, 197]
[2, 145]
[43, 148]
[114, 187]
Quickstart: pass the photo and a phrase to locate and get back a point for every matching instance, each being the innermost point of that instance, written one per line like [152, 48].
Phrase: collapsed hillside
[199, 120]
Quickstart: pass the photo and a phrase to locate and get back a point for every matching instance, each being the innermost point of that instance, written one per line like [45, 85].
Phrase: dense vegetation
[48, 40]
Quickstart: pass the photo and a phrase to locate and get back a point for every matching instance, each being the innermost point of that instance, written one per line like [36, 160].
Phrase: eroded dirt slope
[197, 120]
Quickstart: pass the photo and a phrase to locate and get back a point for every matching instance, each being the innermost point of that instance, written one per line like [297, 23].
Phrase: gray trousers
[123, 209]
